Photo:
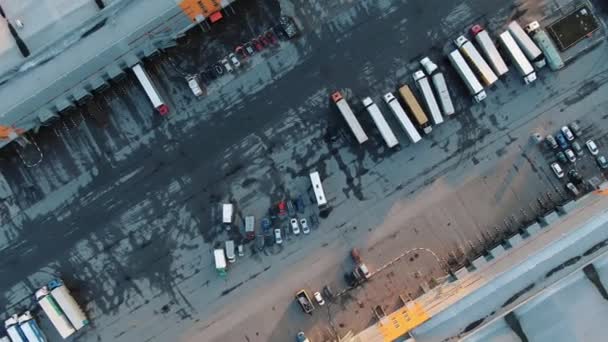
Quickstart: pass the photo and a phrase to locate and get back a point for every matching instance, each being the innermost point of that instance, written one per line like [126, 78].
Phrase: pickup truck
[304, 300]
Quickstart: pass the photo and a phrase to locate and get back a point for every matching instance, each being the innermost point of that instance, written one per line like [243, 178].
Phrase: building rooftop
[540, 282]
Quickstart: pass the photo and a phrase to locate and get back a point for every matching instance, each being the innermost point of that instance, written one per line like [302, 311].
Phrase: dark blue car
[300, 206]
[562, 141]
[266, 225]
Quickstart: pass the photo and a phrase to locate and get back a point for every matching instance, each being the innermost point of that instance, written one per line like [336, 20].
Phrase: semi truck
[441, 87]
[469, 51]
[518, 58]
[227, 215]
[467, 76]
[349, 117]
[30, 328]
[317, 188]
[150, 89]
[304, 300]
[485, 42]
[540, 37]
[13, 330]
[68, 304]
[428, 96]
[385, 130]
[54, 312]
[527, 45]
[220, 261]
[402, 118]
[230, 251]
[414, 107]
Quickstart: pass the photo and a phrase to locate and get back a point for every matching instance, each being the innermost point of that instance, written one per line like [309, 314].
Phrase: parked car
[575, 177]
[277, 236]
[300, 206]
[279, 32]
[218, 69]
[572, 189]
[305, 228]
[327, 292]
[194, 85]
[577, 148]
[592, 147]
[234, 60]
[575, 128]
[260, 242]
[226, 65]
[262, 38]
[561, 157]
[295, 227]
[319, 298]
[241, 250]
[561, 141]
[291, 208]
[551, 143]
[282, 206]
[240, 50]
[602, 162]
[567, 133]
[557, 170]
[249, 48]
[313, 221]
[271, 37]
[266, 224]
[570, 155]
[301, 337]
[257, 44]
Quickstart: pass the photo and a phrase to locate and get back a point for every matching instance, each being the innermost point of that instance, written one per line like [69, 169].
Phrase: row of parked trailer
[476, 70]
[60, 307]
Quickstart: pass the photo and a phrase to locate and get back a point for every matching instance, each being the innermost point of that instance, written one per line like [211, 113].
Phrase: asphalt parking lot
[124, 205]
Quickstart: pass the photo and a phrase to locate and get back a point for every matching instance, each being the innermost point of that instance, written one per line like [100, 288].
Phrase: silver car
[305, 227]
[277, 236]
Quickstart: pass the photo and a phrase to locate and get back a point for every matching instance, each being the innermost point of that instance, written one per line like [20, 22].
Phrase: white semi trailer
[150, 89]
[54, 312]
[402, 118]
[469, 51]
[527, 45]
[540, 37]
[467, 76]
[518, 58]
[68, 304]
[385, 130]
[349, 117]
[441, 87]
[485, 42]
[429, 98]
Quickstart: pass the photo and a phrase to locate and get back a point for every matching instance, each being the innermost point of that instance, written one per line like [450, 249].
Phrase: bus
[414, 107]
[150, 89]
[317, 188]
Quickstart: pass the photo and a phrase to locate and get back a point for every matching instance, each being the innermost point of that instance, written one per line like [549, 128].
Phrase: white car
[234, 60]
[277, 236]
[319, 298]
[570, 155]
[194, 85]
[592, 147]
[572, 189]
[295, 228]
[226, 65]
[557, 169]
[305, 227]
[567, 133]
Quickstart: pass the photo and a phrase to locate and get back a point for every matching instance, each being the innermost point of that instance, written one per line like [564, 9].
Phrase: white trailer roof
[465, 72]
[385, 130]
[352, 121]
[429, 98]
[402, 118]
[517, 56]
[146, 83]
[491, 52]
[524, 41]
